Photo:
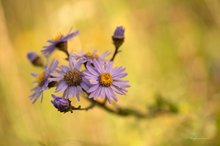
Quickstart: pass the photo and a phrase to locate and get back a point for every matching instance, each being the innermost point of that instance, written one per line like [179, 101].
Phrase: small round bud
[62, 104]
[35, 59]
[118, 36]
[32, 56]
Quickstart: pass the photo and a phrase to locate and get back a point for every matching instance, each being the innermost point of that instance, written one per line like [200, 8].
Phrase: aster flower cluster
[88, 75]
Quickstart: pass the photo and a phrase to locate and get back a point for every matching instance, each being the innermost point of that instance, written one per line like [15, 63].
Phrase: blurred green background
[172, 48]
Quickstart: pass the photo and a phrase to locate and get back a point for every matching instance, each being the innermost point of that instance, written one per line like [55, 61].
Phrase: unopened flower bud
[35, 59]
[62, 104]
[118, 36]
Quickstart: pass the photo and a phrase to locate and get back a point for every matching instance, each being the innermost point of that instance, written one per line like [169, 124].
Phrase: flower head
[118, 36]
[70, 79]
[60, 42]
[42, 81]
[35, 59]
[91, 56]
[105, 81]
[62, 104]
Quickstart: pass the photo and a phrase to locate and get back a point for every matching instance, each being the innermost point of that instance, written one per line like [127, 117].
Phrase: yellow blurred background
[172, 48]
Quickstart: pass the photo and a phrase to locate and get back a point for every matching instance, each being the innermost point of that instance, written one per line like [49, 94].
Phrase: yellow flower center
[41, 79]
[105, 79]
[57, 37]
[90, 55]
[73, 77]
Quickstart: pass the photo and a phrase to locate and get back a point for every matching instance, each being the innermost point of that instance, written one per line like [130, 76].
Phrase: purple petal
[105, 54]
[71, 63]
[70, 35]
[32, 95]
[91, 95]
[36, 88]
[92, 71]
[93, 88]
[88, 74]
[79, 64]
[117, 90]
[120, 84]
[84, 84]
[120, 75]
[109, 66]
[79, 90]
[64, 68]
[34, 75]
[61, 86]
[54, 96]
[53, 66]
[93, 82]
[97, 94]
[45, 85]
[66, 93]
[55, 79]
[51, 41]
[91, 78]
[108, 95]
[113, 95]
[102, 92]
[48, 50]
[117, 71]
[98, 66]
[72, 91]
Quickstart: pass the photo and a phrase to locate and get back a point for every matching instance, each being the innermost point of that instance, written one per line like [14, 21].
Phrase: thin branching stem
[116, 110]
[84, 108]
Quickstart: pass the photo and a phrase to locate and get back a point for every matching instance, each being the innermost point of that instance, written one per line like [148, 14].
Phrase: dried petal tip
[35, 59]
[62, 104]
[118, 36]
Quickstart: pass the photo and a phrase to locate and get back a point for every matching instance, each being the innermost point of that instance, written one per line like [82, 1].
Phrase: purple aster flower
[42, 81]
[105, 81]
[70, 79]
[35, 59]
[60, 42]
[62, 104]
[118, 36]
[90, 56]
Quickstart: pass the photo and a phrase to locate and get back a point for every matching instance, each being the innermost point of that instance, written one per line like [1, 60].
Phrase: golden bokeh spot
[105, 79]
